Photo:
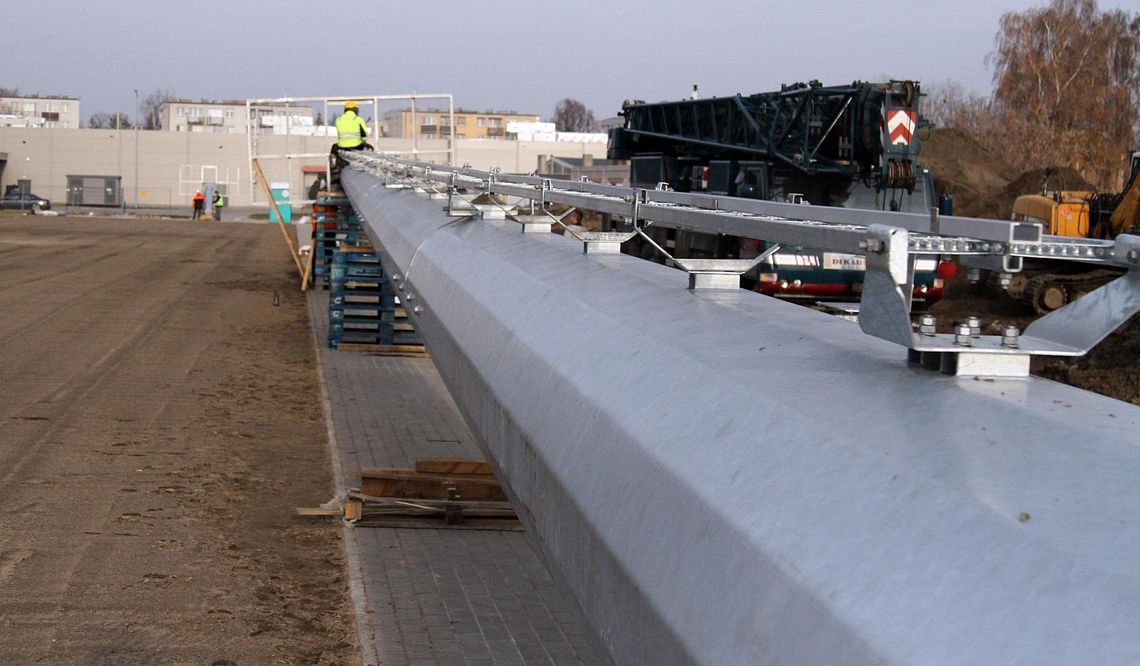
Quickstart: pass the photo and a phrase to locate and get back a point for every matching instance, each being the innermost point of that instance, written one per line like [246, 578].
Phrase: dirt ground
[984, 186]
[159, 419]
[1112, 368]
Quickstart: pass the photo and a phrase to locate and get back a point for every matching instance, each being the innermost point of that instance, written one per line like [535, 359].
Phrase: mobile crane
[854, 146]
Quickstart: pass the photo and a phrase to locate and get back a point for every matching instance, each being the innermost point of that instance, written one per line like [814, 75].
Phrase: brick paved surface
[436, 596]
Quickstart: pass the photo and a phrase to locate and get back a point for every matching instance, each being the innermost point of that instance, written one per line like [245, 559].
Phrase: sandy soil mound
[965, 168]
[1062, 178]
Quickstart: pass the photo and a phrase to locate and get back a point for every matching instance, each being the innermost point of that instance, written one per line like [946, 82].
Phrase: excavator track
[1049, 291]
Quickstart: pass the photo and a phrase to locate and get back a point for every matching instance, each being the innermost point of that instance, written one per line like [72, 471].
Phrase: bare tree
[6, 107]
[570, 115]
[117, 120]
[948, 104]
[1067, 83]
[152, 108]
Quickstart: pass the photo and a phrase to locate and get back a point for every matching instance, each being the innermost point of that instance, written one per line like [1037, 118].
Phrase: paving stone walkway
[434, 596]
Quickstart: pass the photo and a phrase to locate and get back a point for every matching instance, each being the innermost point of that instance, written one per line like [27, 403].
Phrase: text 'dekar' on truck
[854, 146]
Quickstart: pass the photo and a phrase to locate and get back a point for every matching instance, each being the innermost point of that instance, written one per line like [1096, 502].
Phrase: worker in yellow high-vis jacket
[219, 203]
[351, 132]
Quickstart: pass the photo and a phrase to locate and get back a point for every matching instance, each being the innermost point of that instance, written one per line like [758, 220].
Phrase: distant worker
[199, 204]
[351, 132]
[219, 203]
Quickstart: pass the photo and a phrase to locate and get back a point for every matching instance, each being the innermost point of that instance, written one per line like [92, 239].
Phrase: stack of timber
[436, 494]
[363, 306]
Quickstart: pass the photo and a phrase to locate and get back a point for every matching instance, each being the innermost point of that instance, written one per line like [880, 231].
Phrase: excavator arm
[1126, 217]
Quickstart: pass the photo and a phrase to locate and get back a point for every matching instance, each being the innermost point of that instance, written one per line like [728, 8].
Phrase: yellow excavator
[1047, 285]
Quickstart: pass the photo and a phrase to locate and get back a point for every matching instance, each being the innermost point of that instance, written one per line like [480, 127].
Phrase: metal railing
[335, 102]
[891, 243]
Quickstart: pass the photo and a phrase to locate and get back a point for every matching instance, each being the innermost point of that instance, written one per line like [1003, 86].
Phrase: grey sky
[500, 54]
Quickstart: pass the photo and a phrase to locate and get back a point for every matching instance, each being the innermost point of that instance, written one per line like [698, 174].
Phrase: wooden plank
[318, 511]
[353, 509]
[426, 523]
[412, 351]
[434, 514]
[305, 278]
[405, 483]
[454, 467]
[280, 220]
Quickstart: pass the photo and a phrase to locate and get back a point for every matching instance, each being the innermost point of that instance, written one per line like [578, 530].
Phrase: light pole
[138, 115]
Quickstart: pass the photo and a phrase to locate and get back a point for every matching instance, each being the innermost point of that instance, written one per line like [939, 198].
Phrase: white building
[52, 111]
[229, 117]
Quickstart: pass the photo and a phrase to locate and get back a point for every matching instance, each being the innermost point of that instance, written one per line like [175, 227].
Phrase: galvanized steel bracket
[721, 273]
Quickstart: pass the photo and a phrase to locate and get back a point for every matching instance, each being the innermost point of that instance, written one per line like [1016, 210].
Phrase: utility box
[280, 192]
[94, 191]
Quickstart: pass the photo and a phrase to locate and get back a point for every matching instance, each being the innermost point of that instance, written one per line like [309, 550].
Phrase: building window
[195, 112]
[461, 120]
[496, 122]
[481, 122]
[67, 108]
[429, 120]
[181, 110]
[49, 106]
[28, 108]
[65, 125]
[229, 113]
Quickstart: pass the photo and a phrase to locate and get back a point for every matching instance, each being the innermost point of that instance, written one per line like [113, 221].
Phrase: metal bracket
[532, 224]
[720, 273]
[884, 309]
[1086, 321]
[596, 242]
[459, 205]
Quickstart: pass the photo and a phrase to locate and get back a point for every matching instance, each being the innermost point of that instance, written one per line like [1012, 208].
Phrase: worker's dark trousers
[336, 162]
[218, 213]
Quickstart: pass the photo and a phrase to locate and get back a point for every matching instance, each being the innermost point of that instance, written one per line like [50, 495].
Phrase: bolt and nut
[926, 325]
[975, 325]
[1009, 337]
[962, 336]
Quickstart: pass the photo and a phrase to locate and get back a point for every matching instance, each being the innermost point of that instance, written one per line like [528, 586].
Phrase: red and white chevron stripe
[900, 126]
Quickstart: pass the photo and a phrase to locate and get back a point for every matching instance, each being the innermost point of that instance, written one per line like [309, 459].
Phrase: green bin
[280, 192]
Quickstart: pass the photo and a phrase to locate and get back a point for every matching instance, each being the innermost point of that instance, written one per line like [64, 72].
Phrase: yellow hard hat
[350, 105]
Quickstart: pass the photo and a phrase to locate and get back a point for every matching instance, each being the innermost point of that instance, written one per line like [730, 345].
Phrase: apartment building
[435, 124]
[228, 117]
[52, 111]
